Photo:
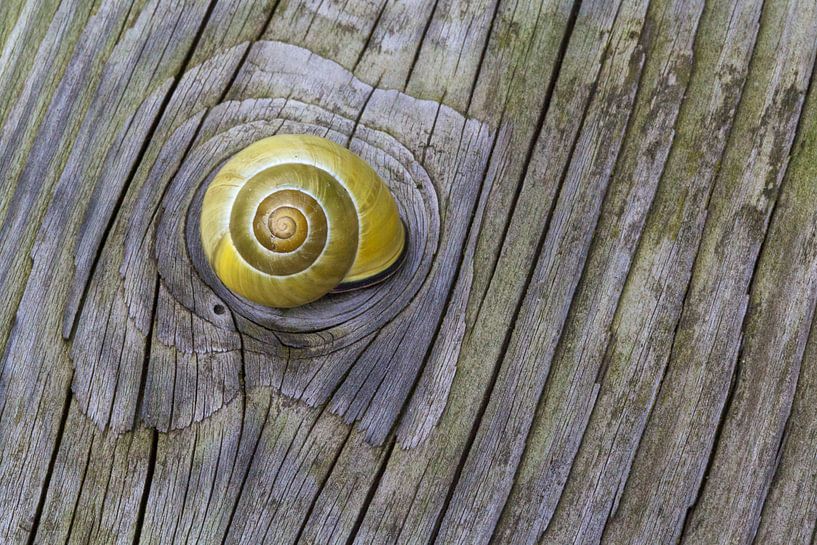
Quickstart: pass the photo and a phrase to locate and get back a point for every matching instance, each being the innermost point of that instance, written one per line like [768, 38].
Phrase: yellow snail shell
[292, 217]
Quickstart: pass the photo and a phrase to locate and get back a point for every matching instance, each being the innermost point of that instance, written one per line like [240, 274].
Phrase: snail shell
[292, 217]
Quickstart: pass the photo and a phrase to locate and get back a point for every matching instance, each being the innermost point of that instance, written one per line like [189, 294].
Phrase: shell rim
[381, 276]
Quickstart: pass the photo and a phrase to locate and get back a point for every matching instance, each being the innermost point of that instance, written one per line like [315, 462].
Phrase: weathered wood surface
[604, 332]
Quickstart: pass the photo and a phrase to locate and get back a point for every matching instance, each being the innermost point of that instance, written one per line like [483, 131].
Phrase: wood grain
[603, 332]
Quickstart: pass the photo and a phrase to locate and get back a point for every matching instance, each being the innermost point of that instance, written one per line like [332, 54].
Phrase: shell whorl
[292, 217]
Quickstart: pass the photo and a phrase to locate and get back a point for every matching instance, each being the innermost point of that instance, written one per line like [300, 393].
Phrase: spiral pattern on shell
[292, 217]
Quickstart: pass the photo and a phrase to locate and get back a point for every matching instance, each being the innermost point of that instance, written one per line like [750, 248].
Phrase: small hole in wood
[219, 309]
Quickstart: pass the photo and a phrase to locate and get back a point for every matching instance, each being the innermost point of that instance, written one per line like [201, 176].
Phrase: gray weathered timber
[788, 512]
[708, 335]
[603, 332]
[491, 461]
[572, 387]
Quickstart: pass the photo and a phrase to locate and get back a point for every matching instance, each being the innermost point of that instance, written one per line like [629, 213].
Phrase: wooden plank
[120, 298]
[408, 503]
[97, 485]
[452, 45]
[708, 335]
[334, 30]
[552, 364]
[9, 16]
[782, 297]
[488, 472]
[388, 59]
[432, 469]
[23, 25]
[502, 96]
[571, 389]
[651, 296]
[789, 511]
[32, 152]
[105, 144]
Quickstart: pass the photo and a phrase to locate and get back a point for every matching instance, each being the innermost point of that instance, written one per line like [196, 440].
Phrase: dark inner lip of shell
[379, 277]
